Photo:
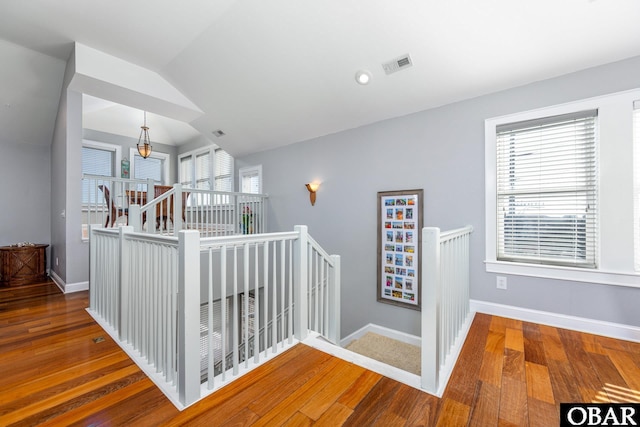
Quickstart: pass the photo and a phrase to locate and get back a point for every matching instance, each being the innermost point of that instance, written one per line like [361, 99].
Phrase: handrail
[113, 178]
[451, 234]
[226, 193]
[241, 239]
[321, 251]
[157, 200]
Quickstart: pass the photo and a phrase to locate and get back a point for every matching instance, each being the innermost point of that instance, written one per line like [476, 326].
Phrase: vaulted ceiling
[271, 73]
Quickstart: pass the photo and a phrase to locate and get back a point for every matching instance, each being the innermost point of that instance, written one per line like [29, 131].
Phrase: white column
[334, 301]
[189, 316]
[125, 283]
[430, 308]
[301, 277]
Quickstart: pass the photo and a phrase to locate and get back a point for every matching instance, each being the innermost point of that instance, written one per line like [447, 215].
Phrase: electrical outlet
[501, 282]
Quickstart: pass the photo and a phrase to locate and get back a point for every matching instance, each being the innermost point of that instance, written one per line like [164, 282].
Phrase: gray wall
[441, 151]
[25, 215]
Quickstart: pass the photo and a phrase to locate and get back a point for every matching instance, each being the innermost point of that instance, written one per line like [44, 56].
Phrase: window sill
[564, 273]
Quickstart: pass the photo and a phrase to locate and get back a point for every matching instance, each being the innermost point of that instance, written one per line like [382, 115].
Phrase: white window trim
[162, 156]
[616, 242]
[248, 171]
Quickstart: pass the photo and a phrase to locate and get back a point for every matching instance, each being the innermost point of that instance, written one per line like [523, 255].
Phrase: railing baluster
[283, 279]
[256, 308]
[245, 317]
[210, 360]
[265, 292]
[290, 305]
[274, 301]
[223, 305]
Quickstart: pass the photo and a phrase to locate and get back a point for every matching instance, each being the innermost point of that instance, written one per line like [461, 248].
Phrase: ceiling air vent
[397, 64]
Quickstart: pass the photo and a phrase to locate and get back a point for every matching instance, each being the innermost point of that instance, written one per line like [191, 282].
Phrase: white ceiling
[271, 73]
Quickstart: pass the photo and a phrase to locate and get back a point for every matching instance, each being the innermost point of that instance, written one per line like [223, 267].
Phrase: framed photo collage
[399, 246]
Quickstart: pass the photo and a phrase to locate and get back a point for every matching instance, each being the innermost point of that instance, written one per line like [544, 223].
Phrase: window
[546, 190]
[559, 186]
[186, 171]
[251, 179]
[207, 169]
[223, 171]
[154, 167]
[97, 159]
[202, 172]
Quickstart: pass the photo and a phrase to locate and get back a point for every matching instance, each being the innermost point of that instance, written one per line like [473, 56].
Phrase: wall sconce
[312, 187]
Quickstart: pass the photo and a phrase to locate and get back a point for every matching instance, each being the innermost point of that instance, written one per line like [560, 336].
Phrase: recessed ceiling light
[363, 77]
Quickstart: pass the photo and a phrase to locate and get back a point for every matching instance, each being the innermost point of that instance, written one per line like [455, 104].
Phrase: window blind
[203, 171]
[186, 171]
[150, 167]
[223, 169]
[95, 161]
[547, 190]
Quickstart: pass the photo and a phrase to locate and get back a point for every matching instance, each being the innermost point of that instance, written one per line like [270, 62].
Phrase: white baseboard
[68, 288]
[381, 330]
[591, 326]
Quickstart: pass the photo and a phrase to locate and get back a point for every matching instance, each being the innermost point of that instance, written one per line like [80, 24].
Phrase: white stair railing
[146, 291]
[445, 302]
[152, 208]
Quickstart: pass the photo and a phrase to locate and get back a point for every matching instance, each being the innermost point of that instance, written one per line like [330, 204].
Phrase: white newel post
[189, 316]
[301, 277]
[177, 207]
[430, 308]
[334, 301]
[93, 264]
[124, 274]
[151, 214]
[135, 218]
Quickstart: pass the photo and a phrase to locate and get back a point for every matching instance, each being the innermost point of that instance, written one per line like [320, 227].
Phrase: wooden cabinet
[21, 265]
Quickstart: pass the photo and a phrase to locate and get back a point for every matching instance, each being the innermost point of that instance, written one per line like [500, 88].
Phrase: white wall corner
[68, 288]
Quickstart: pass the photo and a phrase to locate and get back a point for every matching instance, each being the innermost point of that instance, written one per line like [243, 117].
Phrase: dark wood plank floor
[510, 373]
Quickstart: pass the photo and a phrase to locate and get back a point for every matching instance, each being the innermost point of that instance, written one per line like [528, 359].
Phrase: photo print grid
[400, 223]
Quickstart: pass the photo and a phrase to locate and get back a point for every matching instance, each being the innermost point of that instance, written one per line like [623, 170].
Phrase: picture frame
[400, 217]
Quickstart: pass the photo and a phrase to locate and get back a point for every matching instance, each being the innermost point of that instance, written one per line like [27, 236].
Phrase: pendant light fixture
[144, 142]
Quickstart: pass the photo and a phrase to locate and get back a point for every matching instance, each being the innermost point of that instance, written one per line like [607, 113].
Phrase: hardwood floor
[60, 368]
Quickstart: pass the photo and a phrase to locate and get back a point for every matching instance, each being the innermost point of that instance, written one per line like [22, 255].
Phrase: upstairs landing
[61, 368]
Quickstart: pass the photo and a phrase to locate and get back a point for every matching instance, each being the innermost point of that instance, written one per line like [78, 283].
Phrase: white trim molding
[68, 288]
[381, 330]
[581, 324]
